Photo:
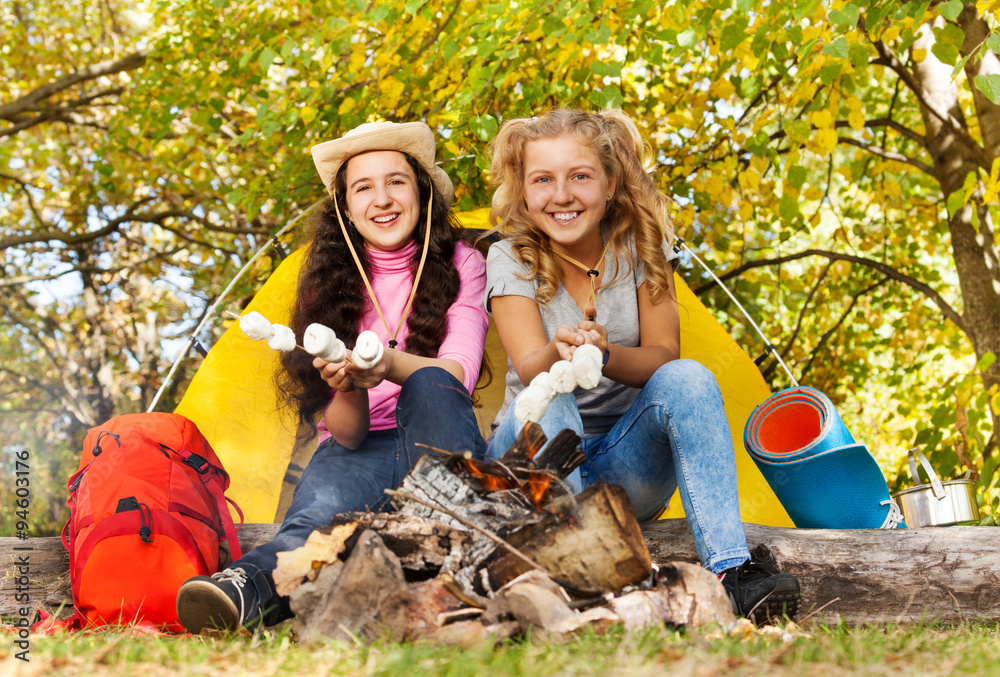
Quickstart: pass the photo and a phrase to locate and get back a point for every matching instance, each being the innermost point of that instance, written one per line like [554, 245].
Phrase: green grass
[970, 649]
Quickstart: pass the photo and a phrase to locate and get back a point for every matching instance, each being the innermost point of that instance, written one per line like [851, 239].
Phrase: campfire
[481, 549]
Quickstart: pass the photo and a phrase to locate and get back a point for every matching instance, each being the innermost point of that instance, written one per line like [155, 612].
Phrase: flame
[488, 480]
[534, 447]
[535, 486]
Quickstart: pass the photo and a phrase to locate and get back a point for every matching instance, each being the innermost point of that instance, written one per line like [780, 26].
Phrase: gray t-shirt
[617, 311]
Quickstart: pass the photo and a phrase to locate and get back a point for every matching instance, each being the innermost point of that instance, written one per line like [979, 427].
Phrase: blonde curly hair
[638, 209]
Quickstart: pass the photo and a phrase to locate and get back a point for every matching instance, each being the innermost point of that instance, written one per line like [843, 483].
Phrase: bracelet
[604, 361]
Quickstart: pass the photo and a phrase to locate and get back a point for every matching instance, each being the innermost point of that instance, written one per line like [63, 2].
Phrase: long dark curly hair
[331, 292]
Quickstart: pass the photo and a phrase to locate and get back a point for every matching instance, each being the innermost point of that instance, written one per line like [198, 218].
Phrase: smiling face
[383, 198]
[566, 190]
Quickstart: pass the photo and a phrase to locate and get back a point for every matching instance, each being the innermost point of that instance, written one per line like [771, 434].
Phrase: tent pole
[770, 347]
[271, 242]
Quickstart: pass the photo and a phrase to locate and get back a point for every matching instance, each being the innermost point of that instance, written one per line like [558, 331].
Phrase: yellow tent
[233, 402]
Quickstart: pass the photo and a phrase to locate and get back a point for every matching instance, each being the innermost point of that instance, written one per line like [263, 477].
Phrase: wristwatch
[604, 360]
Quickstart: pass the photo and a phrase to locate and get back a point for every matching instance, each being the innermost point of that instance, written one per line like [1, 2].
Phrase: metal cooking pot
[938, 504]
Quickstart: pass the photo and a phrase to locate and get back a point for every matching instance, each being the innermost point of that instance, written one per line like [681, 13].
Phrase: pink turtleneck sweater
[392, 280]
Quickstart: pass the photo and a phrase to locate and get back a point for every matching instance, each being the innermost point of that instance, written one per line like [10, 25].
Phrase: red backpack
[147, 513]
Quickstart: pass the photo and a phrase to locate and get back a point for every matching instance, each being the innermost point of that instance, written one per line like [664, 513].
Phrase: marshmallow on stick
[282, 338]
[322, 342]
[562, 377]
[256, 326]
[563, 380]
[534, 401]
[587, 363]
[368, 350]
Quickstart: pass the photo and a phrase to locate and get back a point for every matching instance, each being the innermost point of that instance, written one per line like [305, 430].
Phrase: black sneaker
[759, 592]
[222, 601]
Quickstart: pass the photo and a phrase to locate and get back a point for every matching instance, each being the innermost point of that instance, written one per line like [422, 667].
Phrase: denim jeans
[433, 408]
[674, 435]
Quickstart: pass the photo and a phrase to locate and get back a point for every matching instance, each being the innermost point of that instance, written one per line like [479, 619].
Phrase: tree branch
[798, 324]
[24, 279]
[826, 335]
[892, 124]
[887, 154]
[883, 268]
[30, 379]
[412, 59]
[889, 58]
[30, 101]
[31, 202]
[89, 236]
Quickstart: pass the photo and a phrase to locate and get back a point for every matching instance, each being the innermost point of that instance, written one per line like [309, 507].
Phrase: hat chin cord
[364, 276]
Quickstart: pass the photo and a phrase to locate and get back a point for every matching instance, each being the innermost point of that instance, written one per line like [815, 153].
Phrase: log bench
[949, 574]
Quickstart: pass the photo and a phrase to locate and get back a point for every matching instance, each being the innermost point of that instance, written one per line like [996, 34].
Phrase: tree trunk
[948, 574]
[955, 155]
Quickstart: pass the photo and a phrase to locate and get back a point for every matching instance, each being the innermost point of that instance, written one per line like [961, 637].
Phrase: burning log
[595, 544]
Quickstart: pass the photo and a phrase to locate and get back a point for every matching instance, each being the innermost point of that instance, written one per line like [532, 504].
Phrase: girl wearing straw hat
[585, 260]
[386, 256]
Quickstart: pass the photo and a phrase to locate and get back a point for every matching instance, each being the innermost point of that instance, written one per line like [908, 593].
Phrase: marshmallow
[368, 350]
[587, 365]
[255, 325]
[282, 338]
[532, 403]
[544, 381]
[563, 380]
[321, 341]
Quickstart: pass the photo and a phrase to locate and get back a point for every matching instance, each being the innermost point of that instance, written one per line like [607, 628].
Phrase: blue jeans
[674, 435]
[433, 408]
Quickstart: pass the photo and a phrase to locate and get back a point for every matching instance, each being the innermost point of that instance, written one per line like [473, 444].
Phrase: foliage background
[837, 162]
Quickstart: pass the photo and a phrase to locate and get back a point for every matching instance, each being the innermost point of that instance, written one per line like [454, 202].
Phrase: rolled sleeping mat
[823, 478]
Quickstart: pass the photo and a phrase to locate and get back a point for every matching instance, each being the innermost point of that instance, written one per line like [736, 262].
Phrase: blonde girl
[585, 258]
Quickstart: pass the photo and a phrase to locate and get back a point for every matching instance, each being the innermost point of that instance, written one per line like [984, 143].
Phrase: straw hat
[413, 138]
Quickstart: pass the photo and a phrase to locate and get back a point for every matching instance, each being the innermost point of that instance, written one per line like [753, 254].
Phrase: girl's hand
[567, 338]
[335, 374]
[369, 378]
[593, 332]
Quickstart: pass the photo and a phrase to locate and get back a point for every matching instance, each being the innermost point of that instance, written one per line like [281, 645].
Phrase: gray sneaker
[222, 601]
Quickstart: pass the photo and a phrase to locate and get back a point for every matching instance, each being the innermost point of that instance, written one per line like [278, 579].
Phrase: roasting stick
[489, 534]
[234, 316]
[493, 537]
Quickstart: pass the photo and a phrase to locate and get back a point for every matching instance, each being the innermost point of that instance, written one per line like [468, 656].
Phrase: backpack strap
[213, 477]
[210, 476]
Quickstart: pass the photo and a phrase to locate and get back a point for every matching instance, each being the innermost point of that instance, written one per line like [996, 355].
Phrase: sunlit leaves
[989, 85]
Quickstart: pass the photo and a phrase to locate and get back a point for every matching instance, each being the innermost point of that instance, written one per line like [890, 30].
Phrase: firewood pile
[490, 549]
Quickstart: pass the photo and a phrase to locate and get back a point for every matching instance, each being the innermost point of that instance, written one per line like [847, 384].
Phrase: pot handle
[936, 487]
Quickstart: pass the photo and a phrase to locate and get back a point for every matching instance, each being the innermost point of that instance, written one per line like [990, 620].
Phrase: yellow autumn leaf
[346, 106]
[746, 210]
[715, 188]
[919, 55]
[825, 139]
[891, 33]
[749, 179]
[854, 103]
[985, 6]
[892, 188]
[856, 119]
[822, 119]
[723, 89]
[993, 185]
[308, 114]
